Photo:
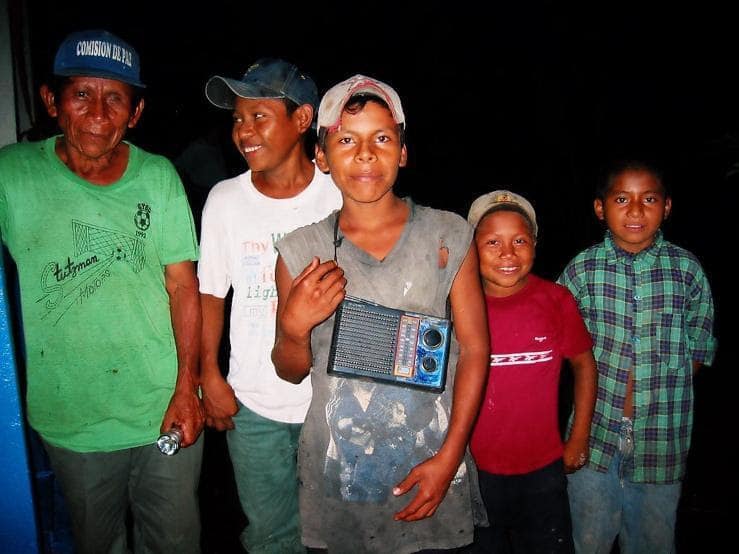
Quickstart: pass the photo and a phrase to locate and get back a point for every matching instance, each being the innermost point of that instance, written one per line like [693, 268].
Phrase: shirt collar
[647, 257]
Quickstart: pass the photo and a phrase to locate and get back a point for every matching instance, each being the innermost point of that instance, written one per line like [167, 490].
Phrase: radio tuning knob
[429, 364]
[432, 338]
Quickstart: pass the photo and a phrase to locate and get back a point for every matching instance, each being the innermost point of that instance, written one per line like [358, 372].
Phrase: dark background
[535, 97]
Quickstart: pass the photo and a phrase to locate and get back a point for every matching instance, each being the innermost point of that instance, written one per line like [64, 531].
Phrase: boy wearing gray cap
[383, 467]
[273, 110]
[534, 325]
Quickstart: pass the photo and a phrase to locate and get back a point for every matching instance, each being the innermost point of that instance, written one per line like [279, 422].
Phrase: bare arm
[219, 399]
[185, 408]
[470, 322]
[302, 304]
[576, 449]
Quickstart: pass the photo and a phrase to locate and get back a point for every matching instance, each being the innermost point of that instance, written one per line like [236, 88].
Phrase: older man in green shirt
[103, 239]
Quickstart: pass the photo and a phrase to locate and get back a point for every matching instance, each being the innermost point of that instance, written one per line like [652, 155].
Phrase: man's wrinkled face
[94, 114]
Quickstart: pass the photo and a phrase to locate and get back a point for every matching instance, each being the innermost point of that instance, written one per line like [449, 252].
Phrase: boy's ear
[321, 160]
[668, 207]
[303, 115]
[598, 208]
[403, 156]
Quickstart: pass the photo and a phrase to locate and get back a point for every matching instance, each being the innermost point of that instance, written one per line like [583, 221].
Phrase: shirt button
[637, 297]
[635, 339]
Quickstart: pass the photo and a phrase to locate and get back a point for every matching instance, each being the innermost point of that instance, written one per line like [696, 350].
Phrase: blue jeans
[264, 457]
[609, 505]
[161, 491]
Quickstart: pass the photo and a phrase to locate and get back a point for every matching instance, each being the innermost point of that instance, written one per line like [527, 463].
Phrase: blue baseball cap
[265, 78]
[98, 53]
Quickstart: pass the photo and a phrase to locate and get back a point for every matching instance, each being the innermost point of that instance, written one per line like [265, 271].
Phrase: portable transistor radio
[391, 346]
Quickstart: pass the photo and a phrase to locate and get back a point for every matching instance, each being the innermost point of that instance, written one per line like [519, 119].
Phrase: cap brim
[221, 91]
[87, 72]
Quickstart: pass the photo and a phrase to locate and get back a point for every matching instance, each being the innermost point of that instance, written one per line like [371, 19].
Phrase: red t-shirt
[530, 332]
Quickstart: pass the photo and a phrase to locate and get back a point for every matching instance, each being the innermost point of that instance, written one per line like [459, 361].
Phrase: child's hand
[314, 295]
[576, 454]
[432, 477]
[219, 402]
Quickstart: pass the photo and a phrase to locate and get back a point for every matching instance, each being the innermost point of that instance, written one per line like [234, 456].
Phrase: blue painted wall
[18, 528]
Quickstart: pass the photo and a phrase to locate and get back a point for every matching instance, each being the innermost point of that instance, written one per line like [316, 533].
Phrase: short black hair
[309, 137]
[290, 105]
[615, 170]
[356, 104]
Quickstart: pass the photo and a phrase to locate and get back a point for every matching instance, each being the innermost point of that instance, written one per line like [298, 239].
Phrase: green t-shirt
[101, 356]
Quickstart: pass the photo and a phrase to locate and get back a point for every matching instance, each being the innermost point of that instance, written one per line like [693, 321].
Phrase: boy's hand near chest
[314, 295]
[432, 479]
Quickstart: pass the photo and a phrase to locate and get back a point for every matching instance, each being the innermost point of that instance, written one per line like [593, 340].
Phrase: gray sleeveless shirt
[360, 439]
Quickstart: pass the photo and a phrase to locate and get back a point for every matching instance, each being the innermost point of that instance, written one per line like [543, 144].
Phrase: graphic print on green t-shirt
[75, 281]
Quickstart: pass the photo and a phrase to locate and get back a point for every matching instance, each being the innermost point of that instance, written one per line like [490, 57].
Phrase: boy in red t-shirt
[534, 324]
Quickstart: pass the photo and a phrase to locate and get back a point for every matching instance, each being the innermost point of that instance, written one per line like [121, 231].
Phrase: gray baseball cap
[333, 102]
[265, 78]
[487, 202]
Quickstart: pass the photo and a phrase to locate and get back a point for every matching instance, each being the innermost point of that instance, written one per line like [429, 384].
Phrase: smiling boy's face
[364, 154]
[265, 135]
[506, 249]
[634, 209]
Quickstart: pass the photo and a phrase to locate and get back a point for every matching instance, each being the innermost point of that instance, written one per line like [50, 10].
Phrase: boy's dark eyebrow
[379, 130]
[614, 190]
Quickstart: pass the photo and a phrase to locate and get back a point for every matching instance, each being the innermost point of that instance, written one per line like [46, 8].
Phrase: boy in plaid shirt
[648, 306]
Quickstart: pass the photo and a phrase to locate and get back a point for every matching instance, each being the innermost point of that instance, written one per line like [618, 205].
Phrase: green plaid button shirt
[651, 313]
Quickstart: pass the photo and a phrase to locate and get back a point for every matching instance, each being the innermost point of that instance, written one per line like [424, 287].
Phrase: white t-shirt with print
[240, 227]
